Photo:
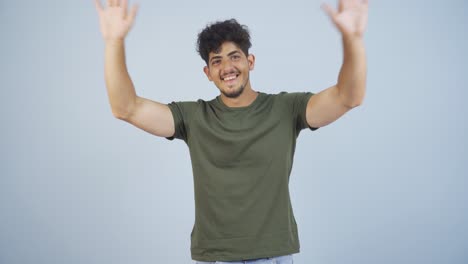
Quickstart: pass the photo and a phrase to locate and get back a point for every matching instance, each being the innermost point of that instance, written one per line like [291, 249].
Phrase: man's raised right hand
[115, 20]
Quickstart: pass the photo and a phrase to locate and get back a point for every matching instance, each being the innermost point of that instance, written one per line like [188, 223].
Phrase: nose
[227, 66]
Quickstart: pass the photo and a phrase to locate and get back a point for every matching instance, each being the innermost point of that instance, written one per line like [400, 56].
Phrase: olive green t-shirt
[242, 159]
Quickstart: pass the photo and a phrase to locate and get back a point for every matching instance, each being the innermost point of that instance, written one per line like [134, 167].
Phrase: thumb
[331, 12]
[133, 12]
[98, 6]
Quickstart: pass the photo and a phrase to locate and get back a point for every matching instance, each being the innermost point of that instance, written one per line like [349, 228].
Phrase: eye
[215, 62]
[235, 57]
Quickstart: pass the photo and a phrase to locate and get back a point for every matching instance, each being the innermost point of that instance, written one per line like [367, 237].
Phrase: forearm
[352, 77]
[120, 89]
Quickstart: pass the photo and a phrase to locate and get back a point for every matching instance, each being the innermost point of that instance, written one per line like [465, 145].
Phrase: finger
[98, 5]
[347, 4]
[356, 2]
[133, 13]
[330, 11]
[341, 5]
[124, 4]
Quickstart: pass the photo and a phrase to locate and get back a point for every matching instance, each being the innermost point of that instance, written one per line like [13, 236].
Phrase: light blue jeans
[286, 259]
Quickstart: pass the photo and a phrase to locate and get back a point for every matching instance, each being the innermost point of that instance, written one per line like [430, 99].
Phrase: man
[242, 142]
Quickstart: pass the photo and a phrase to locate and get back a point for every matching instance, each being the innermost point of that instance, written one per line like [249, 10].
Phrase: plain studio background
[384, 184]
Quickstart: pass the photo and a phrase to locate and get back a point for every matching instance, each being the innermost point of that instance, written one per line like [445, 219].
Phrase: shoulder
[292, 97]
[187, 109]
[189, 104]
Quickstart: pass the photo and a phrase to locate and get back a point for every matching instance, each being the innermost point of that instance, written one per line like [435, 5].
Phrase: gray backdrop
[384, 184]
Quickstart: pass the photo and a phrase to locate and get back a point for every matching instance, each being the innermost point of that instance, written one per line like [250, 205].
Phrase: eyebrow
[229, 54]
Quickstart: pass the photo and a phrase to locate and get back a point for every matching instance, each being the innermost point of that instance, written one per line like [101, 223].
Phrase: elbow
[352, 97]
[354, 103]
[119, 115]
[122, 113]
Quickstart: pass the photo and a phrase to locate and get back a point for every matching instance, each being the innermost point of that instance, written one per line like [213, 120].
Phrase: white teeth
[230, 78]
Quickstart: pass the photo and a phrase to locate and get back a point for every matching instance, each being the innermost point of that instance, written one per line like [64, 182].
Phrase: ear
[207, 73]
[251, 60]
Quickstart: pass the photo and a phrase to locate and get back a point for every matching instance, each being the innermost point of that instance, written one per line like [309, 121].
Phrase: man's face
[229, 69]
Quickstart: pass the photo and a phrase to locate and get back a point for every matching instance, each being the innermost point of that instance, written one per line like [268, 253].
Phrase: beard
[234, 93]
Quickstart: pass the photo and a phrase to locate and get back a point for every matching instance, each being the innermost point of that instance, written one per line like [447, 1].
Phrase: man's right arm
[155, 118]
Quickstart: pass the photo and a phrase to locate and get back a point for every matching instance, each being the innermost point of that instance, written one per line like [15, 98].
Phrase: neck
[244, 99]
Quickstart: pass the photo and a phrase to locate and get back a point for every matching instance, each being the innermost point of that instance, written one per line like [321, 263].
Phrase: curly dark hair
[214, 35]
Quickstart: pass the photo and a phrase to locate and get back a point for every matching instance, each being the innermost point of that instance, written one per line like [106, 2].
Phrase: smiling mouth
[230, 77]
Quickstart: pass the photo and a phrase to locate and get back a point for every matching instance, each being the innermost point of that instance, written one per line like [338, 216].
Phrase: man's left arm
[333, 102]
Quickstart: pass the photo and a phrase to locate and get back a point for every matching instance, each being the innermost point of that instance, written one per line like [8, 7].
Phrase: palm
[114, 21]
[351, 17]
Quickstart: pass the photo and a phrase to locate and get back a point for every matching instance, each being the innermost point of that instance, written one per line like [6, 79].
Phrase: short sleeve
[298, 105]
[182, 112]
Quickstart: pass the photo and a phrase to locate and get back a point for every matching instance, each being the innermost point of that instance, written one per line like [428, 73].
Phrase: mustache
[229, 73]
